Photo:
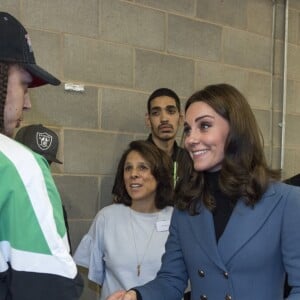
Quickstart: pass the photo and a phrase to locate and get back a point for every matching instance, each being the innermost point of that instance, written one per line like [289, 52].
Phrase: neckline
[144, 214]
[212, 180]
[139, 261]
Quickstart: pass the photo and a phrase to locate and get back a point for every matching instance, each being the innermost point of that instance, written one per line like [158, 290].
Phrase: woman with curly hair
[125, 243]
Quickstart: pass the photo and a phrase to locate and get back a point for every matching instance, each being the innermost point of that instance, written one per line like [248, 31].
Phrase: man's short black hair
[163, 92]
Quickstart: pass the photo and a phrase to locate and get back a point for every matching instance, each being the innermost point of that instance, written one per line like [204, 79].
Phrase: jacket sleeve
[171, 280]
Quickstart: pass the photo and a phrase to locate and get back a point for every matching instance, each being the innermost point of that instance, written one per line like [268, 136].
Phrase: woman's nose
[134, 173]
[191, 139]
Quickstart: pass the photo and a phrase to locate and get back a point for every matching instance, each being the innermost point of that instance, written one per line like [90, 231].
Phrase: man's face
[163, 118]
[17, 98]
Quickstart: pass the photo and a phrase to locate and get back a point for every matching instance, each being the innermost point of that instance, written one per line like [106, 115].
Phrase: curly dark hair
[244, 171]
[161, 169]
[3, 91]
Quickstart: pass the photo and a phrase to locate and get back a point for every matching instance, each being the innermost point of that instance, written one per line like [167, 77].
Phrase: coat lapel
[244, 223]
[203, 229]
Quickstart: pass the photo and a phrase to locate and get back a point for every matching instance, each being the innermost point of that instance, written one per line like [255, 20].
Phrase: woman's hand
[122, 295]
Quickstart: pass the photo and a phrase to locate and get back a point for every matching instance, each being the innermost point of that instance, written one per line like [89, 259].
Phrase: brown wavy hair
[244, 173]
[3, 91]
[161, 169]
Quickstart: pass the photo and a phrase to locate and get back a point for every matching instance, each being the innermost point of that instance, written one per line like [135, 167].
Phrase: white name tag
[162, 225]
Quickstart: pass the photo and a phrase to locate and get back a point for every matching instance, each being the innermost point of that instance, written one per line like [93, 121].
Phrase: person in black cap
[43, 141]
[34, 251]
[19, 66]
[16, 48]
[40, 139]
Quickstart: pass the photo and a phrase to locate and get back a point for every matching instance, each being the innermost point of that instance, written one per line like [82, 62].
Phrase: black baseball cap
[39, 139]
[15, 47]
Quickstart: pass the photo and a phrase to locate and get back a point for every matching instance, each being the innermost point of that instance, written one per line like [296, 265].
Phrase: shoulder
[113, 210]
[282, 189]
[17, 154]
[111, 214]
[13, 151]
[287, 195]
[19, 161]
[179, 214]
[167, 211]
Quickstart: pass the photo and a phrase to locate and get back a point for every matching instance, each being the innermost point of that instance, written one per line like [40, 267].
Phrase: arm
[89, 252]
[123, 295]
[171, 280]
[126, 295]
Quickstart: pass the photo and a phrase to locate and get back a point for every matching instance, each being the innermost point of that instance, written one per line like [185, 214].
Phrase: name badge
[163, 225]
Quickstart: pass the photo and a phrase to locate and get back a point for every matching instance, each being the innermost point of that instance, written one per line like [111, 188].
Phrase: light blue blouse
[120, 239]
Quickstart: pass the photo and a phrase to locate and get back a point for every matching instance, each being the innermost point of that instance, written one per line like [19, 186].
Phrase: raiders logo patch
[43, 140]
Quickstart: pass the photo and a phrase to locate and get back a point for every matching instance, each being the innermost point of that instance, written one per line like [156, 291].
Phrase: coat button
[226, 275]
[203, 297]
[228, 297]
[201, 273]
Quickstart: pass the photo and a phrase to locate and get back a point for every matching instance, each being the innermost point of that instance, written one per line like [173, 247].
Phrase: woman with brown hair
[235, 232]
[127, 239]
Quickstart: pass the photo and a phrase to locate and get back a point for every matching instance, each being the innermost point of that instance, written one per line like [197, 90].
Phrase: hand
[122, 295]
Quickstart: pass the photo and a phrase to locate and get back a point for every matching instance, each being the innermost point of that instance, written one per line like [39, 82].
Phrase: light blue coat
[249, 262]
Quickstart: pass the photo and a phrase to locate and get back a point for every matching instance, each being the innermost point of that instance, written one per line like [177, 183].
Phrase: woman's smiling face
[206, 133]
[139, 181]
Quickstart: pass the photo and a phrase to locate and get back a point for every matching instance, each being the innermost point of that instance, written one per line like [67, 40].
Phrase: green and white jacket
[33, 237]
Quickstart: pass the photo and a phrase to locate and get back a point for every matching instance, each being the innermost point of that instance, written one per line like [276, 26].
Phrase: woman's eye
[143, 167]
[127, 168]
[205, 125]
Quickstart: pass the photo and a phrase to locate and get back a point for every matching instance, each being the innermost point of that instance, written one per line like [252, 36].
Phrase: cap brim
[51, 158]
[40, 76]
[57, 161]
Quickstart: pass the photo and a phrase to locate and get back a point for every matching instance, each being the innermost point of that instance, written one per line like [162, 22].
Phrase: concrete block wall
[291, 158]
[122, 50]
